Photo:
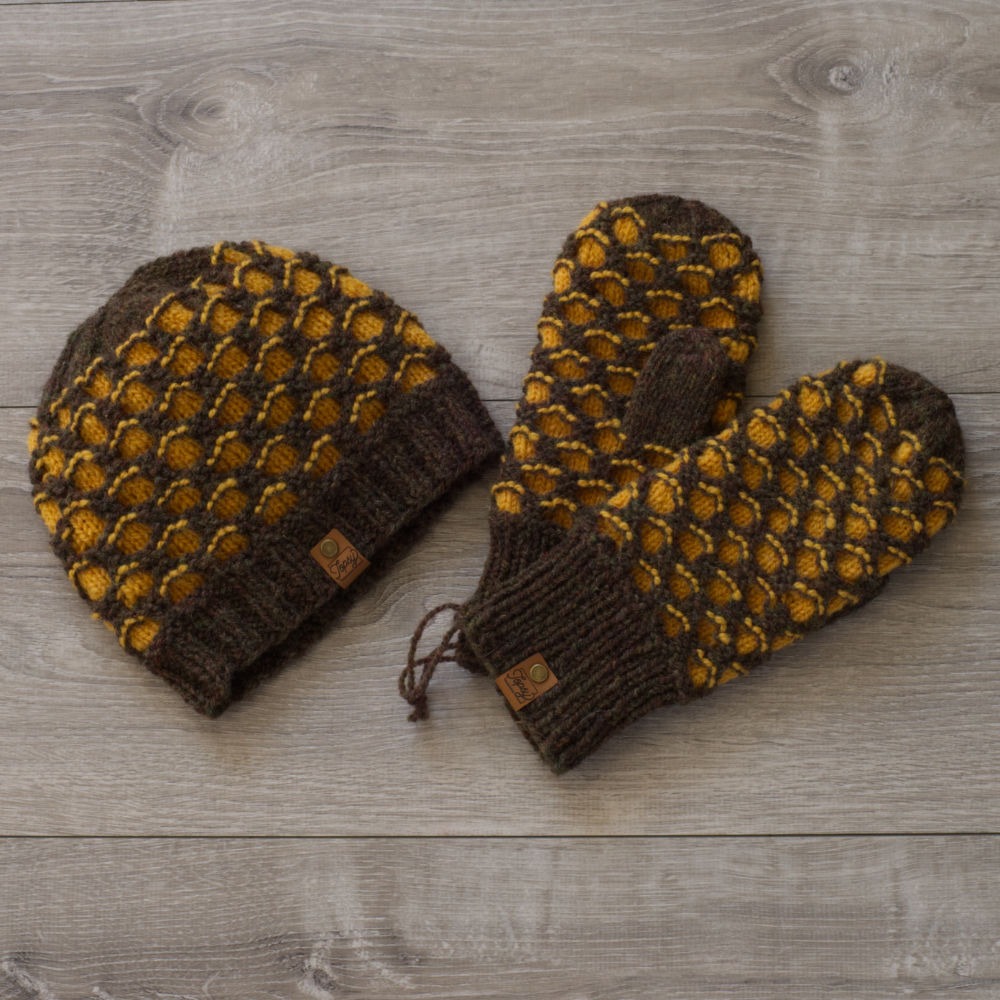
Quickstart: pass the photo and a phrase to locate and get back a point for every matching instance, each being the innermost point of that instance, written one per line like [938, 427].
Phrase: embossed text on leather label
[522, 684]
[339, 558]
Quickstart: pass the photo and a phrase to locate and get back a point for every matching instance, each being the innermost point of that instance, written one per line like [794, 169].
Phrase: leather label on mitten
[340, 560]
[522, 684]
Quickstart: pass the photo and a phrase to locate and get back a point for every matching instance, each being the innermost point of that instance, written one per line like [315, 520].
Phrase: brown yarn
[413, 689]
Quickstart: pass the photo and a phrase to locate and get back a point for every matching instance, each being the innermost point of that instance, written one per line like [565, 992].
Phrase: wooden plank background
[829, 825]
[854, 918]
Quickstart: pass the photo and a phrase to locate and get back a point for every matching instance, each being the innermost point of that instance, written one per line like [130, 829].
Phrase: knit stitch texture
[209, 425]
[725, 552]
[653, 280]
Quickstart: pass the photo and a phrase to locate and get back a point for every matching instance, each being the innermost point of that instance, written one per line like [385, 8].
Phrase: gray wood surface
[796, 918]
[443, 151]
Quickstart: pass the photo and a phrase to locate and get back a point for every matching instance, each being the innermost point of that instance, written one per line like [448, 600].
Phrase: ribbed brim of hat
[219, 642]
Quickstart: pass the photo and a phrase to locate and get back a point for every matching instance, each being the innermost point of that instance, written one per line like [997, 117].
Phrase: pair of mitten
[646, 544]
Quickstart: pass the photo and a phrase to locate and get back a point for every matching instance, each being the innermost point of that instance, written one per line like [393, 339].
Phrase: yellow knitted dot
[368, 413]
[224, 317]
[186, 360]
[901, 528]
[305, 282]
[549, 333]
[673, 248]
[99, 385]
[663, 305]
[182, 452]
[182, 541]
[135, 587]
[641, 268]
[723, 254]
[611, 289]
[323, 367]
[887, 562]
[133, 537]
[414, 335]
[135, 397]
[849, 566]
[141, 634]
[229, 545]
[87, 529]
[184, 404]
[577, 311]
[366, 324]
[317, 323]
[326, 458]
[634, 326]
[354, 288]
[762, 433]
[800, 606]
[91, 430]
[936, 519]
[555, 424]
[135, 490]
[570, 366]
[937, 479]
[51, 513]
[175, 318]
[88, 476]
[768, 557]
[257, 282]
[718, 317]
[747, 286]
[184, 497]
[141, 353]
[270, 322]
[94, 580]
[230, 362]
[280, 459]
[233, 409]
[229, 504]
[325, 411]
[865, 375]
[703, 504]
[590, 253]
[626, 230]
[371, 369]
[508, 501]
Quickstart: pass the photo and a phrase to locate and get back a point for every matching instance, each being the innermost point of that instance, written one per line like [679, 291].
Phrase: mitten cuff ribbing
[612, 663]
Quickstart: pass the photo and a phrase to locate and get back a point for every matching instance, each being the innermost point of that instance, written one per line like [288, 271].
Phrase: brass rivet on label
[329, 548]
[538, 672]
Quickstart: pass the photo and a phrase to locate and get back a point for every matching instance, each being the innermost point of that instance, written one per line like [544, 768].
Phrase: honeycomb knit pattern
[205, 429]
[735, 547]
[650, 280]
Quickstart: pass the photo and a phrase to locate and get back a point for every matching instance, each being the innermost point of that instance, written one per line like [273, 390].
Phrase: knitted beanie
[225, 446]
[730, 550]
[652, 280]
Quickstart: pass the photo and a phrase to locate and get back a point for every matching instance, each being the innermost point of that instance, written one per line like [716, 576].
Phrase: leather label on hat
[340, 560]
[522, 684]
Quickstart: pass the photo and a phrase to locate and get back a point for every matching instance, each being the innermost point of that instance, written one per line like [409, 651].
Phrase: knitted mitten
[736, 547]
[654, 297]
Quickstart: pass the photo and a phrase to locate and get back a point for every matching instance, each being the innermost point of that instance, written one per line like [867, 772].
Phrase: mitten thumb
[688, 374]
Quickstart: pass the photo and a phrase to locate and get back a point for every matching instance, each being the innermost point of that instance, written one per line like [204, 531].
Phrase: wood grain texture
[443, 152]
[883, 722]
[850, 918]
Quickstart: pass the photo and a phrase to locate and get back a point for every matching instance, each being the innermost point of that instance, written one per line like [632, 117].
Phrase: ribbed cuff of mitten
[214, 647]
[613, 664]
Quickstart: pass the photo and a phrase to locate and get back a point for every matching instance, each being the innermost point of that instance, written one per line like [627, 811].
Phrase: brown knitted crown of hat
[208, 427]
